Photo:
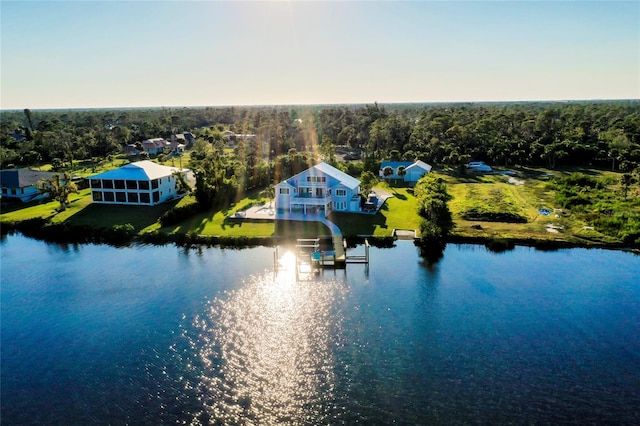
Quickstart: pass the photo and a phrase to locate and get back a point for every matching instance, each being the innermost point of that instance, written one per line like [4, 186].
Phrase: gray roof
[140, 170]
[154, 143]
[22, 178]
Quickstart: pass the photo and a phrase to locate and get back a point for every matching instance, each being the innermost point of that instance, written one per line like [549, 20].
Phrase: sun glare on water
[267, 349]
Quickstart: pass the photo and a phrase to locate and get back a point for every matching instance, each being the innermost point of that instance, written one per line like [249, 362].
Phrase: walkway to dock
[336, 233]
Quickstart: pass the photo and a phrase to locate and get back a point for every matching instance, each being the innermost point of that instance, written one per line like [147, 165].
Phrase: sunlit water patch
[264, 352]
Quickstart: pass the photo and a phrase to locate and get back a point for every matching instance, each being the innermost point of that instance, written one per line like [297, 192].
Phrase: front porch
[310, 205]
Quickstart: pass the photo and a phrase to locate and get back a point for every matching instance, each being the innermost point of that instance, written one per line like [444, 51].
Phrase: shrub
[120, 234]
[483, 216]
[569, 199]
[175, 215]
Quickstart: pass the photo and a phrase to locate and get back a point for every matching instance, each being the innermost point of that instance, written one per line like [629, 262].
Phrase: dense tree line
[287, 139]
[509, 134]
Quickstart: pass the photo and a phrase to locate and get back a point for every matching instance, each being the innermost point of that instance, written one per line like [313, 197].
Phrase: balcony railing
[305, 195]
[310, 199]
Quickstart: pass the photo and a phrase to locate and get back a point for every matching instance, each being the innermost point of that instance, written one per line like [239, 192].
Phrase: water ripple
[265, 351]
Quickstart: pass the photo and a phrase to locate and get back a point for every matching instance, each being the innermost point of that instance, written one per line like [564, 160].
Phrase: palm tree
[27, 113]
[402, 171]
[182, 186]
[387, 171]
[58, 189]
[270, 193]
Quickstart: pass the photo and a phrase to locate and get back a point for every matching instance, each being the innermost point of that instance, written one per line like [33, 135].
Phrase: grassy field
[527, 193]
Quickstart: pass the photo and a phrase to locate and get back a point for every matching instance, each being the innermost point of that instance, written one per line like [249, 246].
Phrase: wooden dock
[316, 253]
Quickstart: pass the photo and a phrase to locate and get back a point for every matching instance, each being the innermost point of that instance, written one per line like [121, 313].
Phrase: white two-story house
[318, 190]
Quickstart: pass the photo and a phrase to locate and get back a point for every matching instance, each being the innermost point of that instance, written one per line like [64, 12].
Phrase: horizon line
[325, 104]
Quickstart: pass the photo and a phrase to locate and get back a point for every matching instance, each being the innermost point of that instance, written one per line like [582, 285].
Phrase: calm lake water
[164, 335]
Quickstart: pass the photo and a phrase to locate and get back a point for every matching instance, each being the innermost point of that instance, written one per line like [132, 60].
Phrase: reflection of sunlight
[288, 261]
[266, 349]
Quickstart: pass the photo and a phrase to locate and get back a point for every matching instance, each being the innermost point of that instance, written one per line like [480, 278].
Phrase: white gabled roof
[140, 170]
[345, 179]
[421, 164]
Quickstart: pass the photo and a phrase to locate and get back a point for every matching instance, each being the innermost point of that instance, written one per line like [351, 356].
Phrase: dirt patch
[554, 229]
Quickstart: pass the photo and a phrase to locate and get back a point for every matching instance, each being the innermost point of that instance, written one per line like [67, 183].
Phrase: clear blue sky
[151, 53]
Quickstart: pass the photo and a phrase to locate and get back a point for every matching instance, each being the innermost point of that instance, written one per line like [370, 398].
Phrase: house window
[284, 191]
[132, 197]
[144, 198]
[132, 184]
[4, 190]
[97, 196]
[143, 184]
[154, 184]
[156, 197]
[341, 192]
[315, 179]
[13, 191]
[108, 196]
[107, 184]
[96, 183]
[121, 197]
[118, 184]
[319, 192]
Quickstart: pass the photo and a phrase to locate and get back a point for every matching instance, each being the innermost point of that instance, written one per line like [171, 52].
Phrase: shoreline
[41, 229]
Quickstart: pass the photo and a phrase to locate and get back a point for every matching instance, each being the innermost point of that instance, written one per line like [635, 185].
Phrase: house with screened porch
[143, 183]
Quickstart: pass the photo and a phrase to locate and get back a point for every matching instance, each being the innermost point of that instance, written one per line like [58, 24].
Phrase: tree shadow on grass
[290, 229]
[107, 216]
[400, 196]
[358, 224]
[232, 223]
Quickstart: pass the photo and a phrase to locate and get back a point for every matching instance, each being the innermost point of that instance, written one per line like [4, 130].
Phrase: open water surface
[163, 335]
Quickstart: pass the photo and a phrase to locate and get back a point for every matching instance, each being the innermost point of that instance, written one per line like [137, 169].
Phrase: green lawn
[77, 203]
[398, 212]
[218, 223]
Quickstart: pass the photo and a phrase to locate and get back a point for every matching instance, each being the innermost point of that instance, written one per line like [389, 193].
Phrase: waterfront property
[318, 190]
[413, 171]
[141, 183]
[22, 184]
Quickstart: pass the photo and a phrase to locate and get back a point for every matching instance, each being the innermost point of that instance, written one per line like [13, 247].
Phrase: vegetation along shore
[557, 174]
